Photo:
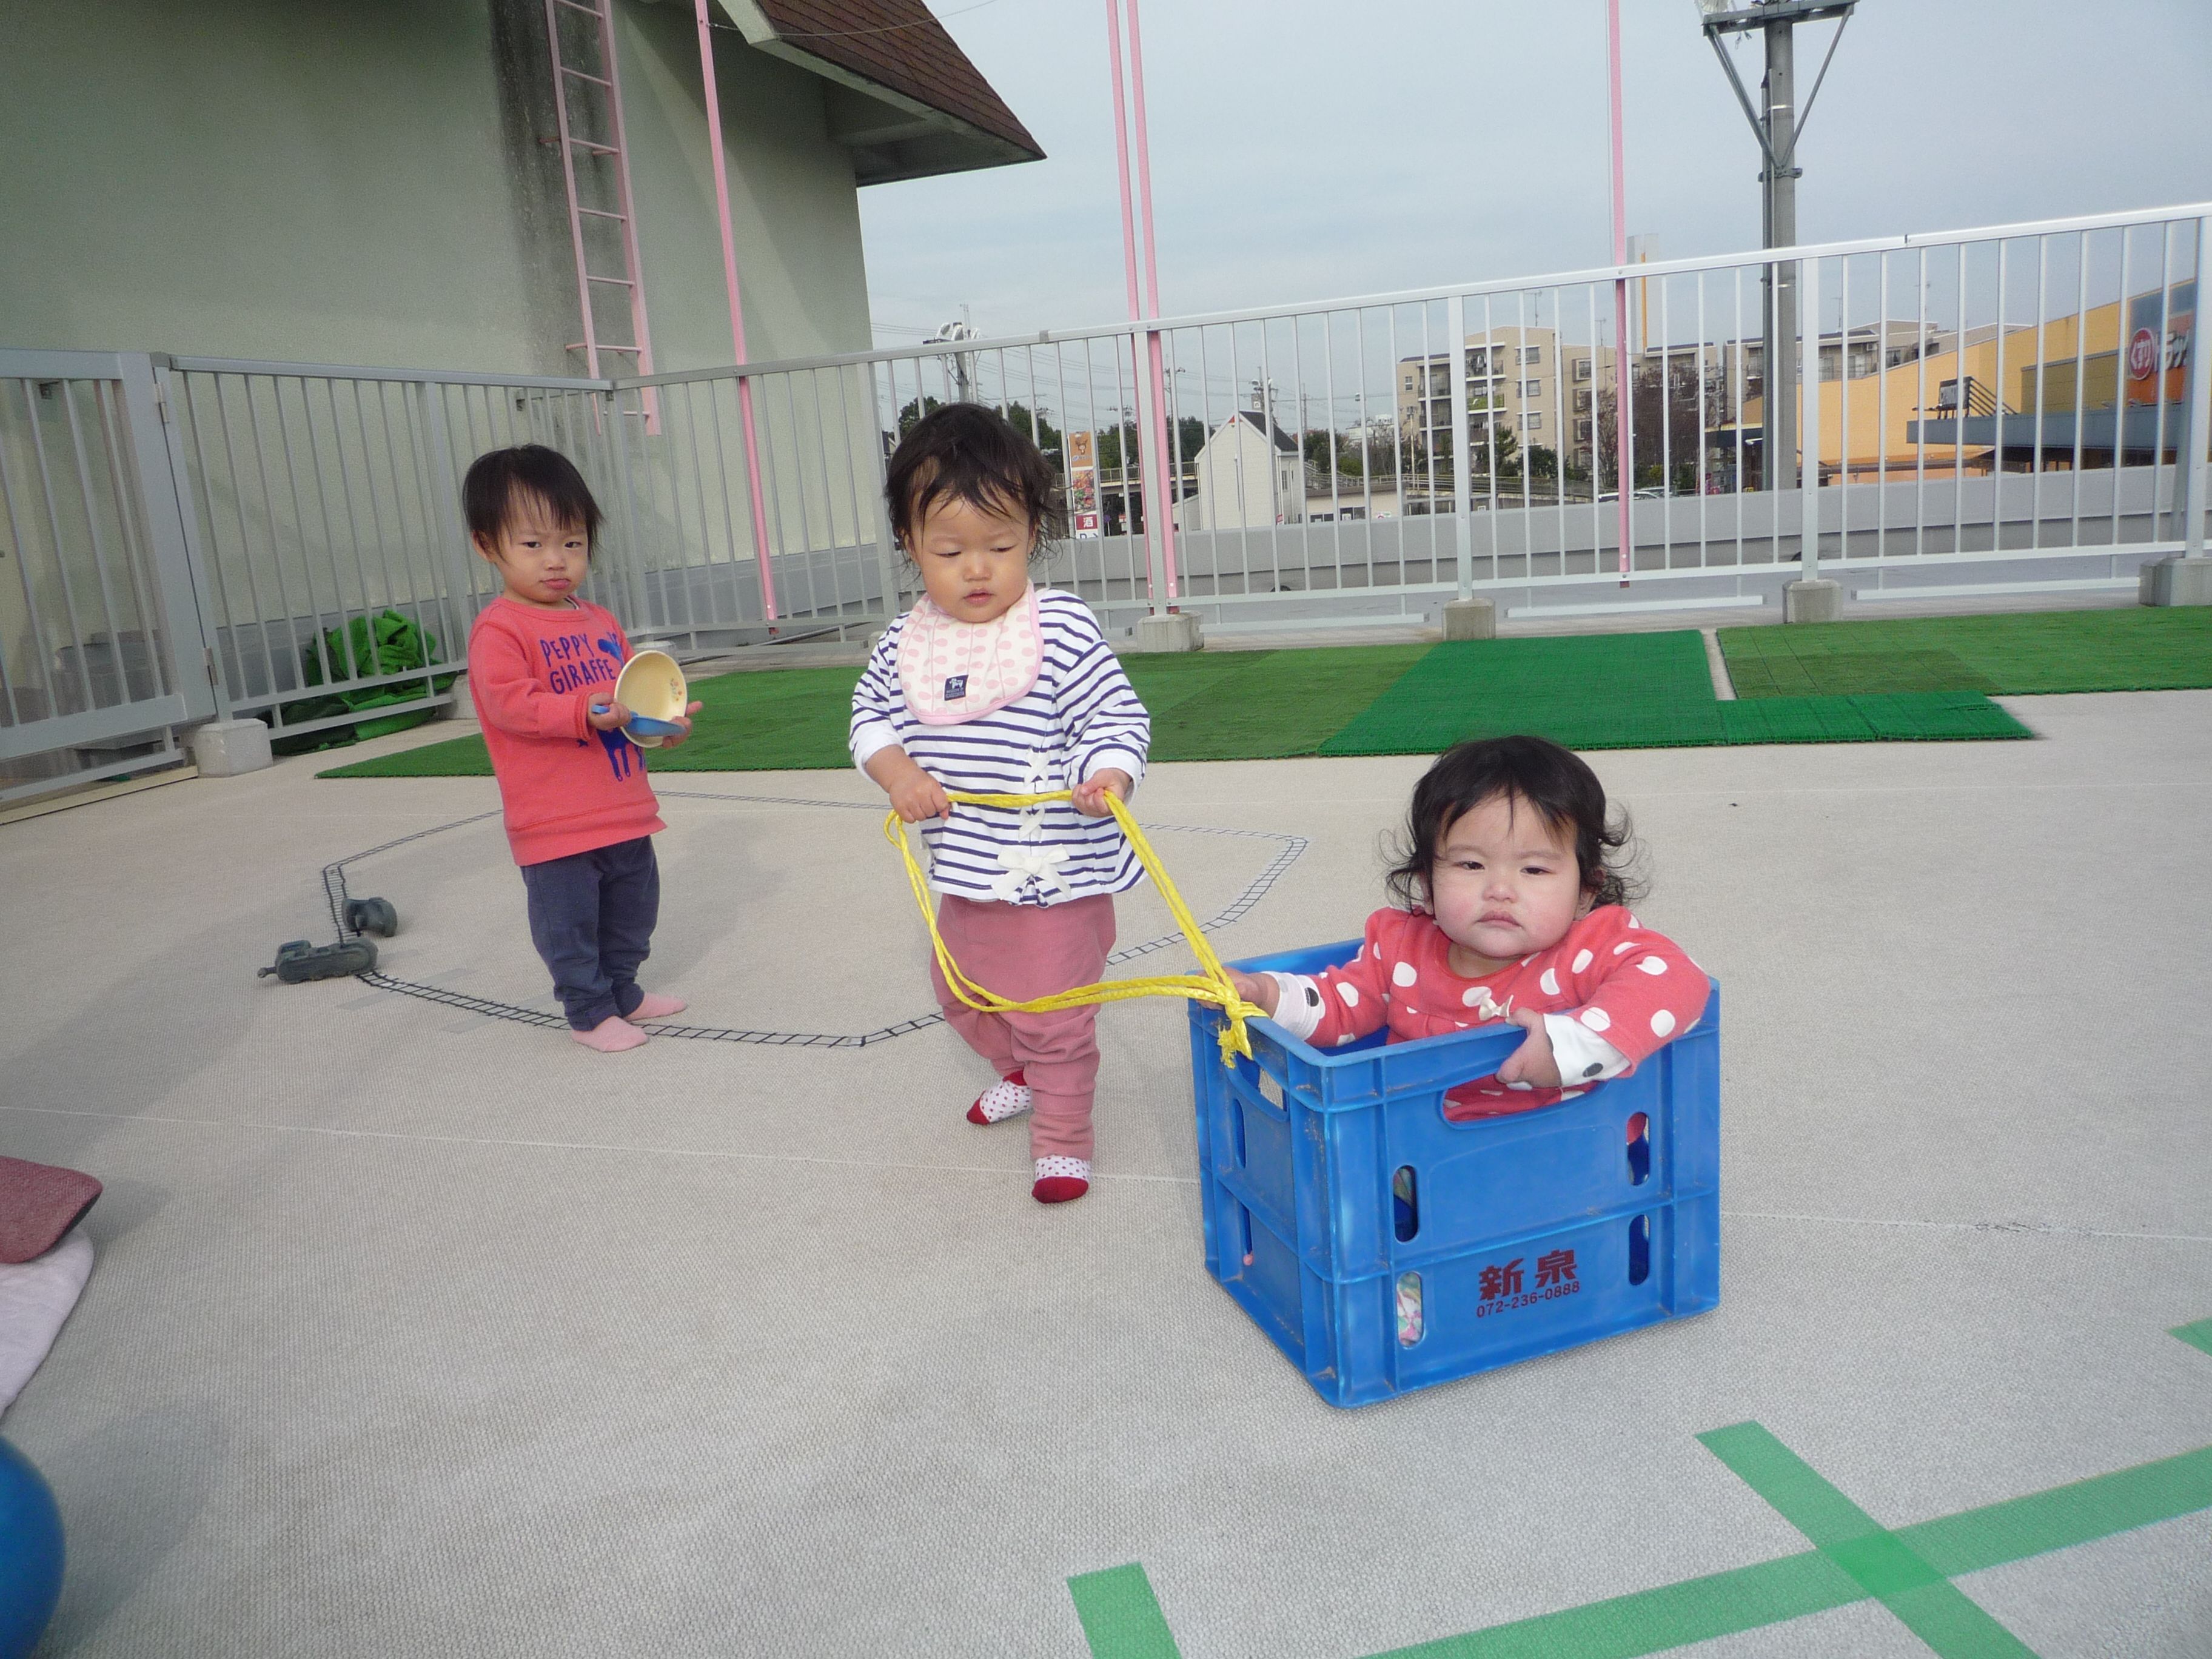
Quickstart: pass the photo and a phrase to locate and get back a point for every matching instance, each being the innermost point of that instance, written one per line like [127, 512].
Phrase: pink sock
[611, 1035]
[653, 1005]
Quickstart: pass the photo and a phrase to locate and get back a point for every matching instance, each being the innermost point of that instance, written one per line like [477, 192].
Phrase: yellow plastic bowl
[651, 684]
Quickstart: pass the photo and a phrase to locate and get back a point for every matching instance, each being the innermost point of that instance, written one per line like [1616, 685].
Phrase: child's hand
[914, 794]
[919, 797]
[610, 716]
[682, 720]
[1090, 798]
[1262, 989]
[1532, 1062]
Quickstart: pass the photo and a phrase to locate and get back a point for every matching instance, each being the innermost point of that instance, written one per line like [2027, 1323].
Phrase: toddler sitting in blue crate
[1507, 910]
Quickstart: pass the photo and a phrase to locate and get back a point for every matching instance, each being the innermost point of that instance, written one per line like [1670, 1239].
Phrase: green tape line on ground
[1930, 1605]
[1121, 1617]
[2197, 1335]
[2082, 1513]
[1654, 1620]
[1748, 1598]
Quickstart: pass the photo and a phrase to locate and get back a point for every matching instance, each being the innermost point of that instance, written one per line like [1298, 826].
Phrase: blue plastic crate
[1337, 1173]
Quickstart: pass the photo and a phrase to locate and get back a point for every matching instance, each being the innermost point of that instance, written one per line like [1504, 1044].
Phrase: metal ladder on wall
[599, 201]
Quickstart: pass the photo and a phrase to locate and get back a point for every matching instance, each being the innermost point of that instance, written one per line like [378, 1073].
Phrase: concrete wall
[794, 208]
[366, 183]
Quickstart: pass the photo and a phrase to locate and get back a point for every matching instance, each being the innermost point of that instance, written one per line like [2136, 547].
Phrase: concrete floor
[416, 1331]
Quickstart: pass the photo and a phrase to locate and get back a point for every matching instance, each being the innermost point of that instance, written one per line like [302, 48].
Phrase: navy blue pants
[591, 918]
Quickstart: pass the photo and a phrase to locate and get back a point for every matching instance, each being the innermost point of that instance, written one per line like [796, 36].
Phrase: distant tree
[1188, 436]
[1033, 427]
[1502, 451]
[1116, 441]
[1037, 429]
[1666, 428]
[910, 416]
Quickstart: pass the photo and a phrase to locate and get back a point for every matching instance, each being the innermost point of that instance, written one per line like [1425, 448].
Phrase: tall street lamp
[1778, 130]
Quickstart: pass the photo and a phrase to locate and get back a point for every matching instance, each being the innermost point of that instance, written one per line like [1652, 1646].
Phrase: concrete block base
[1818, 600]
[224, 748]
[2176, 580]
[1470, 619]
[1170, 630]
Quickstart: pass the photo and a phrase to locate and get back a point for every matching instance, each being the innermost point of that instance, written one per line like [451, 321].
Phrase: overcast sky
[1304, 150]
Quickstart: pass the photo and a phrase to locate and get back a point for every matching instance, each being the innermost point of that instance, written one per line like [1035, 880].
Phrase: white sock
[1003, 1100]
[1076, 1168]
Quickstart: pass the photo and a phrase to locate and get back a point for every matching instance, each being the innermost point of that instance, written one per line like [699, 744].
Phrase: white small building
[1249, 475]
[1350, 499]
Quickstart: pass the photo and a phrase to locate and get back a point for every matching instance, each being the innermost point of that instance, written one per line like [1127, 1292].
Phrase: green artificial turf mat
[1933, 716]
[1227, 705]
[1260, 705]
[2019, 654]
[763, 720]
[1587, 691]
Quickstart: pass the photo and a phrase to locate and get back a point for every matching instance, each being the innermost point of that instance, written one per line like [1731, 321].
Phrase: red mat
[38, 1204]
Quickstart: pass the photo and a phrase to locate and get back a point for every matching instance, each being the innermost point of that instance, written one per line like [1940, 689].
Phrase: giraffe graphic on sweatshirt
[621, 753]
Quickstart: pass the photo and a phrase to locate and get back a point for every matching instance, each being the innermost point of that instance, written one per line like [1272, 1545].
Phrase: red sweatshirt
[533, 676]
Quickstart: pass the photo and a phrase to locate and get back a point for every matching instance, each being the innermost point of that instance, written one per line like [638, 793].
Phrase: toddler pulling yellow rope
[1211, 984]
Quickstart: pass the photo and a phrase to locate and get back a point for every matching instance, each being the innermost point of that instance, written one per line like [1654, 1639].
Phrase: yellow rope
[1211, 984]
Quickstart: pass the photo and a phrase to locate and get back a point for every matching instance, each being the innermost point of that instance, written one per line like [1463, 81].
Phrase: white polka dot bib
[952, 671]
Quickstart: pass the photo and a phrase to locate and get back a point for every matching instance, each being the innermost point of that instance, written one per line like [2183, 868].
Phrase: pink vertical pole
[1624, 373]
[736, 312]
[1122, 155]
[1128, 223]
[1164, 504]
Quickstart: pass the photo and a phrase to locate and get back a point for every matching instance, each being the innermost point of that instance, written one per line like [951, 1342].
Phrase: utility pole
[962, 362]
[1778, 124]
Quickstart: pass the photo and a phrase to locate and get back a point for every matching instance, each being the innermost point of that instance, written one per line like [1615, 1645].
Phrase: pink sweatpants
[1022, 952]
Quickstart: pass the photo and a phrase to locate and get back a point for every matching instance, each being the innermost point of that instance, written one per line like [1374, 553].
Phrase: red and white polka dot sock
[1008, 1097]
[1059, 1179]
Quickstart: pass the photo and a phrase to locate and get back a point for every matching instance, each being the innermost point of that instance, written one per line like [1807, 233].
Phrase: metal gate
[100, 651]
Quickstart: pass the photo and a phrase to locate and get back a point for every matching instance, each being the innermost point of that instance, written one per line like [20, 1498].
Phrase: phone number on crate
[1506, 1303]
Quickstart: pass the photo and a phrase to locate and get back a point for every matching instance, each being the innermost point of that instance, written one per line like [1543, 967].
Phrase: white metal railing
[1980, 410]
[1387, 503]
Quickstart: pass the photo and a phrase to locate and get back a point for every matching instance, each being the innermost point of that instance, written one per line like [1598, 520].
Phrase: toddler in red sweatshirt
[580, 815]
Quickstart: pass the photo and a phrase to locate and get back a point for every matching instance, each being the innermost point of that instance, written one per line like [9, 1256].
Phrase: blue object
[646, 726]
[30, 1553]
[1389, 1247]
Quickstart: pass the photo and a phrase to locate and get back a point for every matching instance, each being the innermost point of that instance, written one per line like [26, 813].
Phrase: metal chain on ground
[335, 891]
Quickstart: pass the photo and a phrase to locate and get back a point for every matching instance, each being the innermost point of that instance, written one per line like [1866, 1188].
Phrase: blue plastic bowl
[644, 727]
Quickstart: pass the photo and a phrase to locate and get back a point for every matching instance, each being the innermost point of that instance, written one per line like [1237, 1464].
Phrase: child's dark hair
[969, 453]
[499, 478]
[1554, 782]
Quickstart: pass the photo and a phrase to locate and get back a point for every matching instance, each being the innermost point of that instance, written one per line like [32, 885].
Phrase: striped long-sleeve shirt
[1082, 717]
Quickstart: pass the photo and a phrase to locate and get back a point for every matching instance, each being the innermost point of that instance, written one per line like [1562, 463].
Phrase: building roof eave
[960, 126]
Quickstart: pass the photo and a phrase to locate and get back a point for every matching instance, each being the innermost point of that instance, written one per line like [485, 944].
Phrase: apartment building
[1524, 380]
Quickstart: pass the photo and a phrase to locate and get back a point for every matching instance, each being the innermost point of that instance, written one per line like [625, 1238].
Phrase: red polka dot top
[1635, 988]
